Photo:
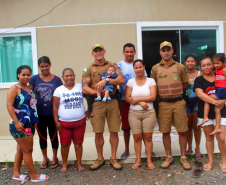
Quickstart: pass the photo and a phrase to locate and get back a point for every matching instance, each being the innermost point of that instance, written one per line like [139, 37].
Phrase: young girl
[111, 73]
[219, 93]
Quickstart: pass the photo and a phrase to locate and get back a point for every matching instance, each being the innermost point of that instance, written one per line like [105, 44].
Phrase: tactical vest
[169, 81]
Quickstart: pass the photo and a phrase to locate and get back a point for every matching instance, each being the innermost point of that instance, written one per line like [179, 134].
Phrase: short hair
[129, 45]
[111, 66]
[138, 60]
[67, 69]
[43, 59]
[203, 58]
[190, 55]
[219, 56]
[19, 69]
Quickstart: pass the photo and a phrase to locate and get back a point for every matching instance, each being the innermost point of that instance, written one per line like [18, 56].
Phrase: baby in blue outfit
[111, 73]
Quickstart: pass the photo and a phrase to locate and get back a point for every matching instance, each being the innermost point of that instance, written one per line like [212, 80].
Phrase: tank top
[220, 80]
[189, 92]
[25, 107]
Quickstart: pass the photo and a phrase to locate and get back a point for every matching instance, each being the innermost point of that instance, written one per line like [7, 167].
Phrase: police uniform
[102, 110]
[172, 107]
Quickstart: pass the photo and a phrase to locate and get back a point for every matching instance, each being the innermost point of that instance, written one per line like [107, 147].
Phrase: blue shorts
[191, 105]
[109, 88]
[220, 93]
[16, 135]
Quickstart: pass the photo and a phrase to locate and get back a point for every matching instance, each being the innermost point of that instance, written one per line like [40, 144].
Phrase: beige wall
[14, 13]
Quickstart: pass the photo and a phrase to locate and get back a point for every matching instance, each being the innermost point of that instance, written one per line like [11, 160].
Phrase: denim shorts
[191, 105]
[212, 122]
[220, 93]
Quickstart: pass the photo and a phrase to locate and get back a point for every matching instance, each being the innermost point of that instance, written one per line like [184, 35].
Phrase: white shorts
[211, 122]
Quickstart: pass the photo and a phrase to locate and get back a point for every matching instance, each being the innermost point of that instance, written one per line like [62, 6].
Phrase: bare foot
[80, 168]
[64, 168]
[215, 131]
[203, 121]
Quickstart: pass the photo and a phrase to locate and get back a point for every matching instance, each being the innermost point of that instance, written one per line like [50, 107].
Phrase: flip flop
[223, 168]
[54, 165]
[21, 178]
[207, 167]
[151, 166]
[125, 155]
[135, 166]
[197, 172]
[43, 177]
[198, 156]
[80, 170]
[45, 165]
[189, 152]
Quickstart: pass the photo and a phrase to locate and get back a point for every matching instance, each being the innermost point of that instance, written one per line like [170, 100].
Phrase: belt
[171, 99]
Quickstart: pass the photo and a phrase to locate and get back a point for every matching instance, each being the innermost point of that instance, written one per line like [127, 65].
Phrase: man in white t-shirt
[126, 67]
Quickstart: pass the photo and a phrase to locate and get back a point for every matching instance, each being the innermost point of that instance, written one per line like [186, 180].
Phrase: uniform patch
[116, 65]
[175, 77]
[185, 69]
[162, 76]
[98, 74]
[165, 43]
[85, 69]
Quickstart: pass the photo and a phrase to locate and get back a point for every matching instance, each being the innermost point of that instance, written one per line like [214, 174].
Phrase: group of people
[186, 98]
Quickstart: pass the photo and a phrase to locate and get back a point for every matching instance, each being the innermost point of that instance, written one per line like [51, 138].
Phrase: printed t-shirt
[71, 103]
[202, 83]
[141, 91]
[44, 92]
[220, 80]
[128, 73]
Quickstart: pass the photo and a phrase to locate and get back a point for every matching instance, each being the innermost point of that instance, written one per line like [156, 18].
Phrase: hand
[144, 105]
[103, 78]
[108, 76]
[20, 127]
[134, 101]
[121, 107]
[99, 86]
[87, 115]
[220, 104]
[59, 126]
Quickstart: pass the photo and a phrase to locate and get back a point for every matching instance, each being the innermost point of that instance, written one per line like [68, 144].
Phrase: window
[16, 48]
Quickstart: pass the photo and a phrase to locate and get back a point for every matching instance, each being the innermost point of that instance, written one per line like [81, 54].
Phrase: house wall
[70, 46]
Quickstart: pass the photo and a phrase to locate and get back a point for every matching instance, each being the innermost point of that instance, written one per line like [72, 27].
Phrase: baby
[111, 73]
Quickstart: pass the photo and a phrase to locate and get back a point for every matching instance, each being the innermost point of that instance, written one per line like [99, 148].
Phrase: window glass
[198, 43]
[14, 52]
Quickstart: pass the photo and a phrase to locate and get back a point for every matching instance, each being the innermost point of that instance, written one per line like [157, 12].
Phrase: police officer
[171, 79]
[101, 110]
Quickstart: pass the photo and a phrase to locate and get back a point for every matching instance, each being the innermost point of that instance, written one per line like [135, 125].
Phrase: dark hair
[129, 45]
[219, 56]
[67, 69]
[111, 66]
[203, 58]
[43, 59]
[19, 69]
[138, 60]
[190, 55]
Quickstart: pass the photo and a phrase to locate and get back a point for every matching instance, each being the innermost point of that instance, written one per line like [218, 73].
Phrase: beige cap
[97, 45]
[166, 43]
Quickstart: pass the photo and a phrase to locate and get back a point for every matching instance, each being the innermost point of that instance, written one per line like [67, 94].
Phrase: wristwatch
[107, 80]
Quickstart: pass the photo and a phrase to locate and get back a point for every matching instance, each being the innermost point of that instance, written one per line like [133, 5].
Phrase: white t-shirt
[141, 91]
[128, 73]
[71, 103]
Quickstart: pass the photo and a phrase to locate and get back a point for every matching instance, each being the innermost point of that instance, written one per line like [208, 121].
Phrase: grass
[7, 163]
[158, 163]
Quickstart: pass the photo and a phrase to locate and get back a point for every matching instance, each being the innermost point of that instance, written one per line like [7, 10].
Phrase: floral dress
[26, 112]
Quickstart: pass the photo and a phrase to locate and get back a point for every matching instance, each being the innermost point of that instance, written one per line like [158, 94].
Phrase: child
[220, 93]
[109, 88]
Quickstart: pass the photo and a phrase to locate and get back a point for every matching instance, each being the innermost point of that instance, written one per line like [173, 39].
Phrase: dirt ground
[107, 175]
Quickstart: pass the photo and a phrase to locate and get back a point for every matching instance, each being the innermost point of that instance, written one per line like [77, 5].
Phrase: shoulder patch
[185, 68]
[116, 65]
[85, 69]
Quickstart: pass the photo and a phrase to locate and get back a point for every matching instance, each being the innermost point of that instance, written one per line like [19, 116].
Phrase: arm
[113, 75]
[11, 95]
[203, 96]
[224, 71]
[86, 89]
[56, 103]
[128, 94]
[185, 85]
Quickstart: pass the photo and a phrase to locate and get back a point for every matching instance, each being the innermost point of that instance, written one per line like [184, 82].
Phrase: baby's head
[111, 70]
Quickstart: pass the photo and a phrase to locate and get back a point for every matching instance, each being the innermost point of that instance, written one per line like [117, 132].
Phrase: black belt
[171, 99]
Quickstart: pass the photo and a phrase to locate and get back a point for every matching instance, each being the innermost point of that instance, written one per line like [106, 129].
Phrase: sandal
[223, 168]
[189, 152]
[198, 156]
[44, 166]
[207, 167]
[151, 166]
[21, 178]
[135, 166]
[124, 156]
[43, 177]
[53, 165]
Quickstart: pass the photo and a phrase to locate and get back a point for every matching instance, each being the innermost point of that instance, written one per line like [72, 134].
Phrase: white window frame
[21, 32]
[180, 25]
